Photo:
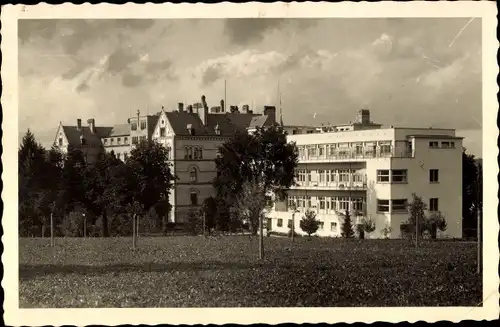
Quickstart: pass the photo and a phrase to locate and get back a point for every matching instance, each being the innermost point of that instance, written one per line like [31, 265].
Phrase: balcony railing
[353, 154]
[331, 185]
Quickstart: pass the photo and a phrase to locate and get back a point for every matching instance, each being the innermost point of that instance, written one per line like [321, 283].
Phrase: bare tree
[252, 205]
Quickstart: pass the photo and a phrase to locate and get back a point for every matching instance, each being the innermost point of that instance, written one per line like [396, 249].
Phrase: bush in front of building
[194, 222]
[347, 230]
[309, 224]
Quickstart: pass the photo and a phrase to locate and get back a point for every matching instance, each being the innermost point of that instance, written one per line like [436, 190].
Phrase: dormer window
[190, 129]
[105, 141]
[217, 129]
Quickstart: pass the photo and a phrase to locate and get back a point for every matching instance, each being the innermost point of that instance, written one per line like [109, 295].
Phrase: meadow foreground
[183, 271]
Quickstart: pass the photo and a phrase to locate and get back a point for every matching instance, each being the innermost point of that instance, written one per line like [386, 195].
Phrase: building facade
[373, 172]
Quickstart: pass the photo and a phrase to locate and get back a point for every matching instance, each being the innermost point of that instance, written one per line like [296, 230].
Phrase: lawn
[183, 271]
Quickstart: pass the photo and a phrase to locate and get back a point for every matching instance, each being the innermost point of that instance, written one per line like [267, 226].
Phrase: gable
[163, 122]
[60, 133]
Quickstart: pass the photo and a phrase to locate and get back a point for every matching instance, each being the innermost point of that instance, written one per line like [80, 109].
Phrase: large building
[192, 135]
[373, 171]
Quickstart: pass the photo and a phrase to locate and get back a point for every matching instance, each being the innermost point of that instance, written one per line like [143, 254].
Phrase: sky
[417, 72]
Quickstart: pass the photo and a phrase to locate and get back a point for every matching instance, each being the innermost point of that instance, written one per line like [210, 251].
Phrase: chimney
[91, 123]
[180, 106]
[233, 109]
[270, 111]
[203, 111]
[363, 117]
[78, 124]
[245, 108]
[222, 108]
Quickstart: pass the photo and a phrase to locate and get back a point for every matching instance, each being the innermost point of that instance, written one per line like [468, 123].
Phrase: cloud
[403, 70]
[243, 31]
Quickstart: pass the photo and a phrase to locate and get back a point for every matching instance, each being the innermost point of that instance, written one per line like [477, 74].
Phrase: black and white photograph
[250, 156]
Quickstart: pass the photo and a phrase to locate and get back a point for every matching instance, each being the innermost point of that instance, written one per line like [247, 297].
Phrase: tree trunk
[261, 238]
[105, 230]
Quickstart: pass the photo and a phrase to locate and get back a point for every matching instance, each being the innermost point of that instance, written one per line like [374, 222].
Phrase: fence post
[51, 229]
[133, 231]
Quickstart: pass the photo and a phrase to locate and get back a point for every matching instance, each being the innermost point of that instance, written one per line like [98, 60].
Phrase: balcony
[356, 155]
[349, 186]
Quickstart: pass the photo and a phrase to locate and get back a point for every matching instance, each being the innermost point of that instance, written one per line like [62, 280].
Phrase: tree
[210, 212]
[264, 156]
[309, 224]
[416, 210]
[368, 226]
[436, 221]
[149, 171]
[107, 188]
[347, 230]
[194, 221]
[471, 190]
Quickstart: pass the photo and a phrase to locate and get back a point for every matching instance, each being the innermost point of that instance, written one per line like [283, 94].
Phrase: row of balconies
[356, 154]
[331, 185]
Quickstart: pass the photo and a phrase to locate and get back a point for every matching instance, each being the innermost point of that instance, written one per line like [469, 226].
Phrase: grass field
[182, 271]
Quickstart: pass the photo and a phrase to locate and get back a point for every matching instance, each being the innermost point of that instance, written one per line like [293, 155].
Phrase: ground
[182, 271]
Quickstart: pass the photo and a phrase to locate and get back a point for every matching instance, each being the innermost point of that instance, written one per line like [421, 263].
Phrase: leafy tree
[347, 229]
[368, 226]
[264, 155]
[223, 214]
[149, 171]
[436, 221]
[309, 224]
[194, 221]
[107, 187]
[471, 189]
[416, 209]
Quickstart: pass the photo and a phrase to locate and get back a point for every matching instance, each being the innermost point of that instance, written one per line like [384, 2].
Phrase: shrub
[290, 233]
[386, 231]
[194, 223]
[347, 230]
[73, 224]
[309, 224]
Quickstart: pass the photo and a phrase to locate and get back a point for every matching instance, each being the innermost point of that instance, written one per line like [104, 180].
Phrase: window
[289, 223]
[343, 203]
[383, 176]
[399, 205]
[433, 145]
[133, 126]
[143, 138]
[198, 153]
[333, 203]
[321, 174]
[308, 200]
[312, 151]
[118, 140]
[333, 226]
[445, 144]
[357, 204]
[385, 148]
[452, 145]
[162, 132]
[434, 175]
[433, 204]
[143, 124]
[321, 200]
[308, 172]
[193, 175]
[400, 176]
[280, 222]
[125, 140]
[105, 141]
[291, 202]
[343, 176]
[194, 198]
[382, 205]
[135, 140]
[188, 153]
[321, 225]
[60, 141]
[112, 141]
[321, 150]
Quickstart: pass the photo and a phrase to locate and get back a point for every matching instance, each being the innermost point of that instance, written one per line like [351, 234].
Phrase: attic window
[60, 141]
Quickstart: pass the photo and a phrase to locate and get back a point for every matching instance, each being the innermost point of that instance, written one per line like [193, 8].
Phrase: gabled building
[193, 135]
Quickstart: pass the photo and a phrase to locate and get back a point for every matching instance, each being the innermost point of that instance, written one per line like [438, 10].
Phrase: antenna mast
[225, 96]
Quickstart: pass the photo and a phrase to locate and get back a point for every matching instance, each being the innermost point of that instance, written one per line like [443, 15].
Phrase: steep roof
[119, 130]
[228, 123]
[93, 139]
